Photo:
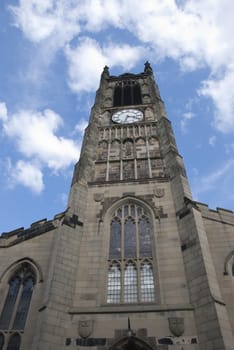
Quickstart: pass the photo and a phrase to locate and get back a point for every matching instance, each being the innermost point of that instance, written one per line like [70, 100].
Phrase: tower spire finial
[148, 69]
[105, 73]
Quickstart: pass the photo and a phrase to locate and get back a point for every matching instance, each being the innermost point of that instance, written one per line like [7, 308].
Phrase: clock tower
[143, 248]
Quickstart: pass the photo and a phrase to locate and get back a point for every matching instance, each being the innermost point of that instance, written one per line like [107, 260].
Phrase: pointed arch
[229, 264]
[102, 150]
[130, 343]
[16, 265]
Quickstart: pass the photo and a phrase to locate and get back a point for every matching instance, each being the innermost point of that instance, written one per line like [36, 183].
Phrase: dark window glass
[129, 239]
[137, 94]
[115, 239]
[7, 311]
[144, 238]
[127, 95]
[1, 341]
[14, 343]
[23, 306]
[118, 96]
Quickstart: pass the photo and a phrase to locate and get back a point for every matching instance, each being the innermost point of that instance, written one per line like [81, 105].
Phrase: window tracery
[130, 272]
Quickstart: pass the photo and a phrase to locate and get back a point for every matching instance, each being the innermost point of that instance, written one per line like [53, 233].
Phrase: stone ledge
[108, 309]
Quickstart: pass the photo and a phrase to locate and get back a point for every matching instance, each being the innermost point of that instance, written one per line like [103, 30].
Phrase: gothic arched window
[15, 310]
[127, 92]
[130, 273]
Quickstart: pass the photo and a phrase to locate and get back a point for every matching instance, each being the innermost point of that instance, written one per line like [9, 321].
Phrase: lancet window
[130, 273]
[16, 306]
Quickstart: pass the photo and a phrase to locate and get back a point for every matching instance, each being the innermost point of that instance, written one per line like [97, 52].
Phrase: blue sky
[52, 55]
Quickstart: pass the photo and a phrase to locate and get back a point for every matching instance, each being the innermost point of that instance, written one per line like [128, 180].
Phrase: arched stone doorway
[131, 343]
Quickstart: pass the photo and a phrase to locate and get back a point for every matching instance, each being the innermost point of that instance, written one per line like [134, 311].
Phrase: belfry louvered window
[130, 272]
[15, 309]
[126, 93]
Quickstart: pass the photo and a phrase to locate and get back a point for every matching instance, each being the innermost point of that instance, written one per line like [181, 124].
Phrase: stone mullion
[121, 155]
[148, 153]
[122, 262]
[108, 160]
[137, 256]
[135, 160]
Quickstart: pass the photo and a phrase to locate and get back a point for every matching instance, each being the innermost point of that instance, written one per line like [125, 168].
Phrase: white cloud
[81, 126]
[41, 20]
[35, 136]
[212, 140]
[184, 121]
[195, 33]
[87, 60]
[34, 133]
[214, 179]
[3, 112]
[222, 93]
[28, 175]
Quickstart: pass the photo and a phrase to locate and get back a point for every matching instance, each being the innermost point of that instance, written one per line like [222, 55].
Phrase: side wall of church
[37, 252]
[219, 225]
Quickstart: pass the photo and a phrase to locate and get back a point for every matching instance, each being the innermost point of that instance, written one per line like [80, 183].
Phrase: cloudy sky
[52, 55]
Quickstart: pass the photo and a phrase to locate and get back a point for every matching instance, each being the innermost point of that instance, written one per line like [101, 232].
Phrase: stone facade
[89, 289]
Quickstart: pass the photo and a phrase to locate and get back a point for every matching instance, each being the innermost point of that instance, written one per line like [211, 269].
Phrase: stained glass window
[14, 343]
[24, 303]
[147, 282]
[115, 239]
[130, 273]
[144, 237]
[1, 341]
[130, 284]
[114, 284]
[129, 239]
[8, 308]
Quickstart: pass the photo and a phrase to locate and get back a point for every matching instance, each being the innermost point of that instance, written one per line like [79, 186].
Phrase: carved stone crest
[159, 192]
[85, 328]
[98, 197]
[176, 325]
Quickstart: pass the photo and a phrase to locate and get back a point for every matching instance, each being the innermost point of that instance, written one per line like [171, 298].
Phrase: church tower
[144, 254]
[130, 264]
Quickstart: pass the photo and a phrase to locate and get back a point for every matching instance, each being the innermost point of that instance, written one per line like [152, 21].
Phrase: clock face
[126, 116]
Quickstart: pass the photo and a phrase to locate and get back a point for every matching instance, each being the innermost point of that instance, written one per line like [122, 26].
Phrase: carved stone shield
[98, 197]
[176, 325]
[159, 192]
[85, 328]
